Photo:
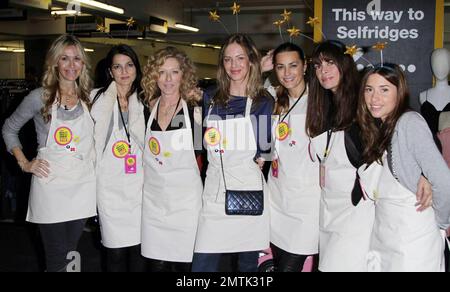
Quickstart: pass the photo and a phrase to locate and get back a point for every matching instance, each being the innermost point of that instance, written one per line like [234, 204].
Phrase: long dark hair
[127, 51]
[325, 108]
[282, 104]
[255, 89]
[377, 135]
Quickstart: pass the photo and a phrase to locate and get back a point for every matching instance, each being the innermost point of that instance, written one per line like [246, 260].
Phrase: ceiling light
[89, 50]
[19, 50]
[103, 6]
[140, 38]
[64, 12]
[3, 48]
[199, 45]
[186, 27]
[217, 47]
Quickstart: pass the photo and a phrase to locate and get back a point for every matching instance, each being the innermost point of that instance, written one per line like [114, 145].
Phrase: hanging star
[286, 15]
[236, 8]
[101, 28]
[294, 32]
[131, 22]
[213, 16]
[279, 22]
[379, 46]
[313, 21]
[351, 50]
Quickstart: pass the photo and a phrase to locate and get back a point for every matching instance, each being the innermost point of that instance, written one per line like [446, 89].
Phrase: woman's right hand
[38, 167]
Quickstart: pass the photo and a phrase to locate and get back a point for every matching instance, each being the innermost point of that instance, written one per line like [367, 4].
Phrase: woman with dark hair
[293, 179]
[62, 194]
[119, 141]
[346, 217]
[238, 121]
[399, 148]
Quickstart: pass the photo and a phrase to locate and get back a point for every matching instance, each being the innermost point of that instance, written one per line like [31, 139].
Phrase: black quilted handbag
[250, 203]
[247, 203]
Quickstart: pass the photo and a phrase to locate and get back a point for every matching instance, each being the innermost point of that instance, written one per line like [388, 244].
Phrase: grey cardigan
[30, 108]
[414, 152]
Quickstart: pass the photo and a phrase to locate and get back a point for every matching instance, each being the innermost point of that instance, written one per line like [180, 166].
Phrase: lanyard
[327, 149]
[123, 122]
[293, 106]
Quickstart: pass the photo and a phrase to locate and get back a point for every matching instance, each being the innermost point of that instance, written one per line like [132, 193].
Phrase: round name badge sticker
[212, 137]
[282, 131]
[120, 149]
[154, 146]
[63, 136]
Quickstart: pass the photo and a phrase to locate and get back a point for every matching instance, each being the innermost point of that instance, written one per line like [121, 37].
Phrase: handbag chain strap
[223, 170]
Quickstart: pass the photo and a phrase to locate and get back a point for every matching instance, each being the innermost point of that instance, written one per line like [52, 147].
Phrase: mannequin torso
[437, 99]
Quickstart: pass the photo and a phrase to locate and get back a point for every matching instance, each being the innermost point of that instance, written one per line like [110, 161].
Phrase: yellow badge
[212, 137]
[63, 136]
[282, 131]
[131, 161]
[154, 146]
[121, 149]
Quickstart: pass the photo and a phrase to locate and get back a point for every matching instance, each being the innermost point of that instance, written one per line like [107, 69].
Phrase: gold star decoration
[286, 15]
[101, 28]
[379, 46]
[279, 22]
[236, 8]
[131, 22]
[213, 16]
[351, 50]
[313, 21]
[294, 32]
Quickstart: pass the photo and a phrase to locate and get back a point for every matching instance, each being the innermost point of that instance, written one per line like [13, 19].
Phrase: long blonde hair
[188, 88]
[255, 87]
[50, 81]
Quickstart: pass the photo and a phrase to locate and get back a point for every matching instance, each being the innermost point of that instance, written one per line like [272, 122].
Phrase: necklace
[166, 111]
[67, 98]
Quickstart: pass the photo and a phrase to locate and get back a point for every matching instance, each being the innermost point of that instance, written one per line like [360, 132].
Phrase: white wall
[12, 65]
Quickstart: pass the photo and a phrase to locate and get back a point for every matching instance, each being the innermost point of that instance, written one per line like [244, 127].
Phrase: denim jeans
[209, 262]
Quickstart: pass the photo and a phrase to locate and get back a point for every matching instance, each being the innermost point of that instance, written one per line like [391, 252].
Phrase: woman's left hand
[260, 161]
[424, 195]
[267, 62]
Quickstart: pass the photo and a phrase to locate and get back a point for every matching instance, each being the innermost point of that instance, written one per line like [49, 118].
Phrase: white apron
[294, 187]
[345, 230]
[69, 192]
[119, 195]
[172, 193]
[218, 232]
[403, 240]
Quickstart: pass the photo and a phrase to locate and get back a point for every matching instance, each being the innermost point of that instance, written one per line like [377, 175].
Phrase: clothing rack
[14, 185]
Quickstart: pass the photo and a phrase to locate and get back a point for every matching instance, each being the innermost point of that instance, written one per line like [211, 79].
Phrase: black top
[431, 115]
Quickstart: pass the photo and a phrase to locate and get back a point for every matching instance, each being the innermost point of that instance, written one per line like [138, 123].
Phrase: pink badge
[130, 164]
[275, 168]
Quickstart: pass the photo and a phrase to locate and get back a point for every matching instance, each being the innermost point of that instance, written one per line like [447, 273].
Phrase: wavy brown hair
[282, 103]
[255, 88]
[377, 135]
[50, 80]
[188, 89]
[327, 109]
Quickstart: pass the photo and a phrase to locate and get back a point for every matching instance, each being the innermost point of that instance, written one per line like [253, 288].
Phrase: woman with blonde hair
[238, 118]
[172, 182]
[62, 194]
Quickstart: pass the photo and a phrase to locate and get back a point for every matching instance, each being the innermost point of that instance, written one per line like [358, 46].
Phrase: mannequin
[436, 100]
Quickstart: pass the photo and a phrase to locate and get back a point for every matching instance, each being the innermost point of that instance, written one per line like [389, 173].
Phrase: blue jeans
[209, 262]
